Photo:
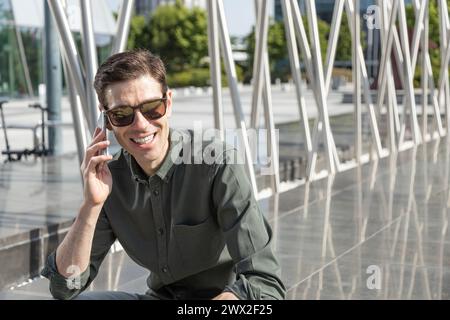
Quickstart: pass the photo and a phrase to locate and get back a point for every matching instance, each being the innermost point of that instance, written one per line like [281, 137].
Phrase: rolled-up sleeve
[64, 288]
[247, 233]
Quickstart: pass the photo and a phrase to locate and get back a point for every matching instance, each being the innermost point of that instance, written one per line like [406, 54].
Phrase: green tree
[12, 80]
[139, 35]
[324, 32]
[344, 48]
[178, 35]
[278, 54]
[276, 46]
[434, 39]
[32, 40]
[277, 49]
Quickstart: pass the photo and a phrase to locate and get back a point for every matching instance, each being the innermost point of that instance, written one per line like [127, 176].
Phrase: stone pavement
[375, 232]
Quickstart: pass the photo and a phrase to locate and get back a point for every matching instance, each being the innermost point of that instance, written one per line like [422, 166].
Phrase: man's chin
[147, 156]
[145, 153]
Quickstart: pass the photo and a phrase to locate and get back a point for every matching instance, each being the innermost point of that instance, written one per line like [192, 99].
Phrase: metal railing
[390, 13]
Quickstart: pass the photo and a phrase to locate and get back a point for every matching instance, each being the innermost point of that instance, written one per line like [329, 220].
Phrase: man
[196, 226]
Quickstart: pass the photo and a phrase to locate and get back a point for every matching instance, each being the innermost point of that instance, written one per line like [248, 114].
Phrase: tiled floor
[38, 193]
[375, 232]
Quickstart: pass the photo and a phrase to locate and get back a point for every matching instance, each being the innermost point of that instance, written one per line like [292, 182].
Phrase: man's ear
[169, 103]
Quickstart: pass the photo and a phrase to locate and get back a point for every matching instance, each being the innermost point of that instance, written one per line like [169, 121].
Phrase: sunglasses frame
[138, 107]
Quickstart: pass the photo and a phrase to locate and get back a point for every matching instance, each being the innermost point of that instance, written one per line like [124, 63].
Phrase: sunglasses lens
[154, 110]
[122, 116]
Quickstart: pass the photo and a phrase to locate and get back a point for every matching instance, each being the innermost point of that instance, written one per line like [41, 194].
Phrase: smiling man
[196, 227]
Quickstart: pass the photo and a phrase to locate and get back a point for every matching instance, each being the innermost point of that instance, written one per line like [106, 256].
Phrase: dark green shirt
[196, 226]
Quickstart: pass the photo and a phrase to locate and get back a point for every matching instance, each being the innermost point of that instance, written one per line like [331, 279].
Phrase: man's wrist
[89, 213]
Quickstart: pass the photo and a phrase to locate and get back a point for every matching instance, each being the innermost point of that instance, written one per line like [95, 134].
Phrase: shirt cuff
[60, 286]
[243, 289]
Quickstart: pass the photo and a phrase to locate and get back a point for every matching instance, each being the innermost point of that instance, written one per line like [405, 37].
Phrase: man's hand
[97, 177]
[226, 296]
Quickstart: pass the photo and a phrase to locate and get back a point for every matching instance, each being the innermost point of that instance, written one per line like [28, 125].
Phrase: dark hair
[128, 65]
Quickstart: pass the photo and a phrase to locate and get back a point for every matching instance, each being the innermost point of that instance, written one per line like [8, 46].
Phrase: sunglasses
[124, 115]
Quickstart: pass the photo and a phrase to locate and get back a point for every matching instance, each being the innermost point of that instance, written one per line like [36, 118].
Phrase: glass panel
[12, 71]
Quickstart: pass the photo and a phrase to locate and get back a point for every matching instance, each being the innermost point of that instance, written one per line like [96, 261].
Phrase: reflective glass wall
[24, 45]
[13, 74]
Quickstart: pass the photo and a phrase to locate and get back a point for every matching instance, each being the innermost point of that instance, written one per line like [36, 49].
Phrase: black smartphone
[101, 123]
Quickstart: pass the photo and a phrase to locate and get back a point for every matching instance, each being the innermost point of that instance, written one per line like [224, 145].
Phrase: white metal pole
[77, 115]
[272, 141]
[235, 98]
[317, 58]
[123, 26]
[296, 72]
[90, 56]
[73, 59]
[214, 67]
[261, 30]
[409, 76]
[357, 81]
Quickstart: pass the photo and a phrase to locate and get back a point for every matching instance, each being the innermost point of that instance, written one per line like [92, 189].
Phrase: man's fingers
[99, 135]
[96, 131]
[96, 134]
[104, 169]
[92, 150]
[95, 161]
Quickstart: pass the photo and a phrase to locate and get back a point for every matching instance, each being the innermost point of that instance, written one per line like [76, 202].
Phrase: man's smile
[145, 139]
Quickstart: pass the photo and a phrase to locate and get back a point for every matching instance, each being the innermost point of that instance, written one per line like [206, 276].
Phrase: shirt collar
[164, 171]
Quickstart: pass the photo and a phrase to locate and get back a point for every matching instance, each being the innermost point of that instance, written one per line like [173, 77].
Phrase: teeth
[144, 140]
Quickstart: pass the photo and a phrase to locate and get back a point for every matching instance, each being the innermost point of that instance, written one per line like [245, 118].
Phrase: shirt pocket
[199, 245]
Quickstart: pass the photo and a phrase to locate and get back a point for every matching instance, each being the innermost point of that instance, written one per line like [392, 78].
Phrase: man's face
[133, 93]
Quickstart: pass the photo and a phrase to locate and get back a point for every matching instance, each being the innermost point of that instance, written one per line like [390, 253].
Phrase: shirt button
[160, 231]
[165, 269]
[156, 192]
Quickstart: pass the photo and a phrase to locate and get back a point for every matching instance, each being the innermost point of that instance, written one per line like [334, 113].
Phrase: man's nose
[139, 120]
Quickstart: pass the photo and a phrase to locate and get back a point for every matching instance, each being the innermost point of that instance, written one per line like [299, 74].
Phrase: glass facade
[13, 39]
[13, 74]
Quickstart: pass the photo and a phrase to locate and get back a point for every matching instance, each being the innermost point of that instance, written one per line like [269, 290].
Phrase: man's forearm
[73, 254]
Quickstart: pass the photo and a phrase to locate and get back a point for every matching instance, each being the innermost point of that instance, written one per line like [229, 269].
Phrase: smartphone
[101, 123]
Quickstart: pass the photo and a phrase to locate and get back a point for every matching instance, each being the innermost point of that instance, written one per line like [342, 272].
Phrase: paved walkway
[375, 232]
[188, 108]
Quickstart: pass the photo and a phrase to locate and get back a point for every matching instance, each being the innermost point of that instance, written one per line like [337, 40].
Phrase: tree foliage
[344, 48]
[277, 49]
[139, 36]
[178, 35]
[434, 39]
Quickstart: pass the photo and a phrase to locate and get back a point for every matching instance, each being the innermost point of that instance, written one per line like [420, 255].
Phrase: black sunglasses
[124, 115]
